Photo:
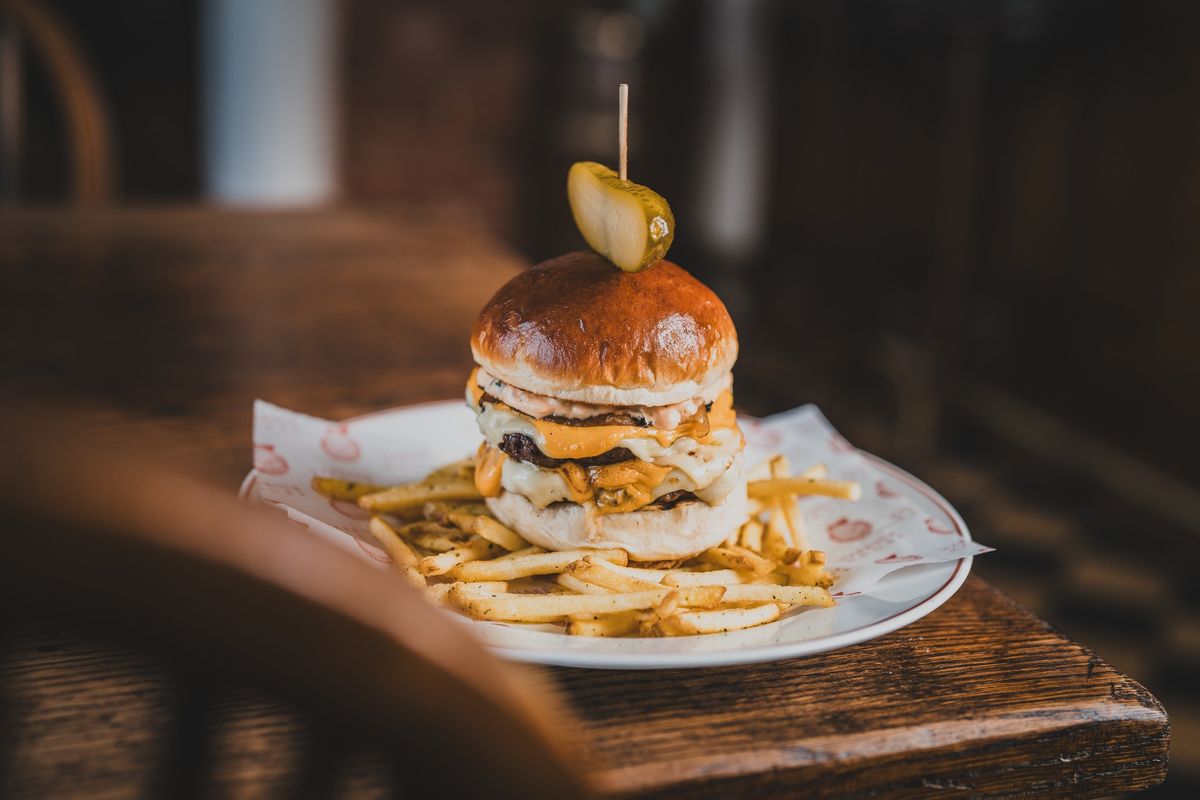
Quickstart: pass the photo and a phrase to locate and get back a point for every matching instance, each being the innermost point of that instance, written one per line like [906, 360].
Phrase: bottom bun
[649, 535]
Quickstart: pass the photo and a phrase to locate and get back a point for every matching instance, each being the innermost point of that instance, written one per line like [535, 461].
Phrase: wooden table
[161, 326]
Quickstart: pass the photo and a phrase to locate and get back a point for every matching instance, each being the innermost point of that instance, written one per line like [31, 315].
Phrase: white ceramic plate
[901, 598]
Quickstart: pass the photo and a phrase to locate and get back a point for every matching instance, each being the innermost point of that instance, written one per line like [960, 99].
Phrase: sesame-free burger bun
[647, 535]
[578, 328]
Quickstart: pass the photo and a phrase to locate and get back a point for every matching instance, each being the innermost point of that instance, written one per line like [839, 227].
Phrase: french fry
[482, 587]
[412, 496]
[795, 522]
[497, 587]
[338, 489]
[787, 595]
[815, 472]
[651, 574]
[691, 577]
[471, 551]
[715, 577]
[776, 487]
[579, 586]
[555, 607]
[532, 550]
[497, 532]
[437, 509]
[438, 591]
[670, 605]
[432, 536]
[464, 468]
[776, 538]
[691, 623]
[738, 558]
[483, 525]
[667, 608]
[774, 578]
[621, 624]
[808, 569]
[507, 569]
[591, 570]
[780, 468]
[402, 556]
[751, 535]
[392, 543]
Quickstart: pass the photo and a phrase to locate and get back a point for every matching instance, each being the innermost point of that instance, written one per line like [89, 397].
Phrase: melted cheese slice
[489, 466]
[613, 488]
[710, 473]
[585, 441]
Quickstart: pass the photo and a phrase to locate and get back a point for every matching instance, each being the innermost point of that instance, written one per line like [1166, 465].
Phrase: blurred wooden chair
[88, 134]
[230, 590]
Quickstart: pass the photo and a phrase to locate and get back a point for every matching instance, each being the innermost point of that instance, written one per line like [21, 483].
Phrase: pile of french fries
[441, 538]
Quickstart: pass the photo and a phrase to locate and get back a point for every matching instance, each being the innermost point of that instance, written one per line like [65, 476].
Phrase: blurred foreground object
[100, 538]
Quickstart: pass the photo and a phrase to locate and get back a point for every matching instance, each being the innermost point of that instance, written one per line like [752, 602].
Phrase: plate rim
[755, 655]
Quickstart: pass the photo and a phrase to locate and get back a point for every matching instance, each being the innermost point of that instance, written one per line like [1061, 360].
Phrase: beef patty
[672, 499]
[520, 447]
[664, 503]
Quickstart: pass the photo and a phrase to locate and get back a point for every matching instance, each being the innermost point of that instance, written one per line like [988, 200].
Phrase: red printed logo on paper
[883, 490]
[933, 526]
[849, 530]
[347, 509]
[268, 462]
[895, 558]
[339, 445]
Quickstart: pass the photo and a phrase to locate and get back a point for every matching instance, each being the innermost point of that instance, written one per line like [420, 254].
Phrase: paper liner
[864, 540]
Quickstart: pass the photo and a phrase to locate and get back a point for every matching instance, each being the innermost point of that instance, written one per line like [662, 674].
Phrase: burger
[605, 402]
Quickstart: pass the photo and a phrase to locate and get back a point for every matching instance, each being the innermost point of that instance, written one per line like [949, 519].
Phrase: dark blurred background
[966, 229]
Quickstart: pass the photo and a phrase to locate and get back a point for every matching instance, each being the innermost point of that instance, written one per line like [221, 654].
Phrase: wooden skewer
[623, 128]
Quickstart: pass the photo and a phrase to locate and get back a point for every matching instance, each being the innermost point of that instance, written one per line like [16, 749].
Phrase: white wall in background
[270, 71]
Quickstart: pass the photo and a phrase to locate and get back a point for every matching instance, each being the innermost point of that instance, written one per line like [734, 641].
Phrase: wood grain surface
[979, 699]
[158, 328]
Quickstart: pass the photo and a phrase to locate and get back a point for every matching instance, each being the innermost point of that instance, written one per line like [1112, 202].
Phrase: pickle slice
[625, 222]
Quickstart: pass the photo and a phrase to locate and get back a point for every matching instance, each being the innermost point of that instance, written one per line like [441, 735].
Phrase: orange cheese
[627, 473]
[488, 463]
[473, 387]
[626, 486]
[614, 488]
[722, 414]
[585, 441]
[579, 484]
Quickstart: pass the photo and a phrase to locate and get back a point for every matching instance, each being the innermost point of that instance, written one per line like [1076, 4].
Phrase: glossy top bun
[578, 328]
